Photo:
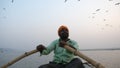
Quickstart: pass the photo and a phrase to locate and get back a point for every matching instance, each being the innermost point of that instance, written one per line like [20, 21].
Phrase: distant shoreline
[100, 49]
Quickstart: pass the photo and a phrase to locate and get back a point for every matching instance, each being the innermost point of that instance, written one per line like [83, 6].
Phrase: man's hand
[62, 43]
[40, 48]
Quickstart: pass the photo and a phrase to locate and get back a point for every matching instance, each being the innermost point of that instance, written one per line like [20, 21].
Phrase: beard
[64, 35]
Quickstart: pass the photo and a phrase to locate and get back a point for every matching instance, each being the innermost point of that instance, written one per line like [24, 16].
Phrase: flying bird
[65, 0]
[98, 10]
[110, 0]
[12, 1]
[104, 19]
[106, 11]
[4, 8]
[117, 4]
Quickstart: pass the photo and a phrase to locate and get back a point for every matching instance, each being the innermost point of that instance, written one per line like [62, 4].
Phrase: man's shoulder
[55, 41]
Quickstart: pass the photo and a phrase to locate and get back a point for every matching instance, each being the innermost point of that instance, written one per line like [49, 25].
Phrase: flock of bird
[97, 10]
[104, 19]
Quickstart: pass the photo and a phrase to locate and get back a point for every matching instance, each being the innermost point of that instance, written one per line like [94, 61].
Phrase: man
[62, 57]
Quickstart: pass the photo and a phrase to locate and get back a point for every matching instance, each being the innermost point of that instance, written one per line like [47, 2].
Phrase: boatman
[62, 57]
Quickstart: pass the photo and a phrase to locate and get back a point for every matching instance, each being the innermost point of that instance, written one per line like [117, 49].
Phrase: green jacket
[61, 55]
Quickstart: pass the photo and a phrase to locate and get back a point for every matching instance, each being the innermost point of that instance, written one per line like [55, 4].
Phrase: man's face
[64, 34]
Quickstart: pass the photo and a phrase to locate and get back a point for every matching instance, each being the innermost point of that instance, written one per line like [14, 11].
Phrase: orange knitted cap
[62, 28]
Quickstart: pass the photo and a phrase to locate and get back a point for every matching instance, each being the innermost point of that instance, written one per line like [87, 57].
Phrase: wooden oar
[89, 60]
[81, 55]
[19, 58]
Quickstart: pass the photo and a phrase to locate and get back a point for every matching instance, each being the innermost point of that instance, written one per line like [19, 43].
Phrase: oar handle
[19, 58]
[88, 59]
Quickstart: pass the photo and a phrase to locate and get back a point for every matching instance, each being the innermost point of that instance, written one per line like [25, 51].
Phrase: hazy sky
[92, 23]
